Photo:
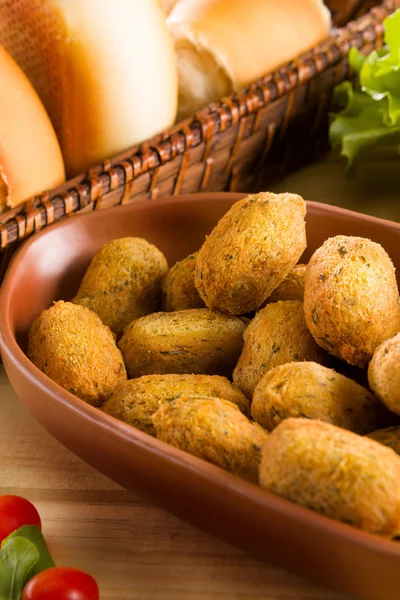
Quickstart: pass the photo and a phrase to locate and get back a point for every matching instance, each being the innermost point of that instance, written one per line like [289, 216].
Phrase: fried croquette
[123, 282]
[335, 472]
[215, 430]
[312, 391]
[351, 299]
[70, 344]
[136, 401]
[384, 373]
[187, 341]
[250, 251]
[277, 335]
[390, 436]
[292, 287]
[178, 289]
[350, 371]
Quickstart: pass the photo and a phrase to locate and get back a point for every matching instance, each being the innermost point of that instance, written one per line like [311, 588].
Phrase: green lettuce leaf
[18, 557]
[356, 59]
[370, 114]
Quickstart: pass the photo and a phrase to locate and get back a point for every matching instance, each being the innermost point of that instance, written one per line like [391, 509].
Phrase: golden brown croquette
[351, 300]
[335, 472]
[384, 373]
[123, 282]
[70, 344]
[187, 341]
[312, 391]
[390, 436]
[136, 401]
[215, 430]
[278, 334]
[178, 289]
[250, 251]
[292, 287]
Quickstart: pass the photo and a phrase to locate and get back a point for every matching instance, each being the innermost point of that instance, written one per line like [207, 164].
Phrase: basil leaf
[34, 535]
[18, 557]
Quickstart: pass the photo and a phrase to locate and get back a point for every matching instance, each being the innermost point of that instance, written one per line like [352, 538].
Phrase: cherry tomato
[15, 512]
[61, 583]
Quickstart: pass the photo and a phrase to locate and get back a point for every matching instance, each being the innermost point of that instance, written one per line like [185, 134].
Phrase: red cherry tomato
[15, 512]
[61, 583]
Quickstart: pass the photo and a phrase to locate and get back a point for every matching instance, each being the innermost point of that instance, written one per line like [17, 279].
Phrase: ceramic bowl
[49, 267]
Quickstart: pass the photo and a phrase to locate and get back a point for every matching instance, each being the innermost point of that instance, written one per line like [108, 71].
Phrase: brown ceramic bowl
[50, 265]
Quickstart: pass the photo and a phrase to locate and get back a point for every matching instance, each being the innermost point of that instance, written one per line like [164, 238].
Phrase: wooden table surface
[135, 550]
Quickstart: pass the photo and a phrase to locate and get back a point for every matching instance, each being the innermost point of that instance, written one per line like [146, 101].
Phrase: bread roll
[168, 5]
[105, 71]
[30, 156]
[223, 45]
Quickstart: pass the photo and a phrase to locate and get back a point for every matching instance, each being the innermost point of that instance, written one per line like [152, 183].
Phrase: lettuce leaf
[370, 114]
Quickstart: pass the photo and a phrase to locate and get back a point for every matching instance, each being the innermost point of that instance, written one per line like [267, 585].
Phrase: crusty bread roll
[168, 5]
[223, 45]
[30, 156]
[105, 70]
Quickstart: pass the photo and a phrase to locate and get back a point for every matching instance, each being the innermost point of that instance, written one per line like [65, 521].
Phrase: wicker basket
[242, 143]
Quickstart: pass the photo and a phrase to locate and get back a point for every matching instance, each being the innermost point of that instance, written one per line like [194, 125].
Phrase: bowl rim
[208, 472]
